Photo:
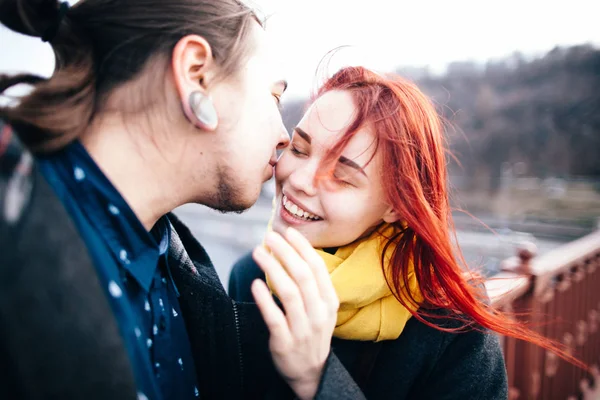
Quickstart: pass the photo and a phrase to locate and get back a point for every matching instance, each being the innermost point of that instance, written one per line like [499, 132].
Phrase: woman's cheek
[350, 207]
[337, 208]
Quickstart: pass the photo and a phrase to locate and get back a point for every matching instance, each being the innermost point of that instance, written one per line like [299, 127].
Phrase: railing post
[528, 383]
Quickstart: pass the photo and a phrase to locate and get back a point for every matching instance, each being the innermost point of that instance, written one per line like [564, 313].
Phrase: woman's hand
[300, 339]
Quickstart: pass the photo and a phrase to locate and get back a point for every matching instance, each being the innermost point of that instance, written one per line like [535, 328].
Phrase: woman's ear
[193, 67]
[390, 216]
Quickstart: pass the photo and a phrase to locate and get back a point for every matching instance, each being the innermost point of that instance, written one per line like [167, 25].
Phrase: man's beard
[228, 197]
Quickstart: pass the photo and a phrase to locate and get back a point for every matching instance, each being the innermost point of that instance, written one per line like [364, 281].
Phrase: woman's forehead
[328, 119]
[332, 113]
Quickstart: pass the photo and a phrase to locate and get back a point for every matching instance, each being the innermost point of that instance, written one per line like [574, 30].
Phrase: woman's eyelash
[342, 182]
[295, 150]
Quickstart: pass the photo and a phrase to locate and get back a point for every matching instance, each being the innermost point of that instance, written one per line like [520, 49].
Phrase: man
[103, 293]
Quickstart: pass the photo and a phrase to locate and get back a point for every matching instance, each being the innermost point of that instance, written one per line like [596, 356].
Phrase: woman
[365, 181]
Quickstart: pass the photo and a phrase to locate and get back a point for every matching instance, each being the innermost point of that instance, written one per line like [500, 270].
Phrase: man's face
[250, 128]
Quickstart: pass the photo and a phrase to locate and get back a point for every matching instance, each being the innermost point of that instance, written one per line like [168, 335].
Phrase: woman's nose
[302, 179]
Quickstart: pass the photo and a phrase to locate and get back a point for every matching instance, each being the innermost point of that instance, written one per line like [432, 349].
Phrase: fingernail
[255, 283]
[260, 251]
[255, 287]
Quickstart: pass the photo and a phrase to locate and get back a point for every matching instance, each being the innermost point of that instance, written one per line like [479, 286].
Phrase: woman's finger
[272, 315]
[317, 265]
[299, 270]
[286, 289]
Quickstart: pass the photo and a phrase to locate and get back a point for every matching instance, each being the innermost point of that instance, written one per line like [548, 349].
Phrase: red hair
[410, 139]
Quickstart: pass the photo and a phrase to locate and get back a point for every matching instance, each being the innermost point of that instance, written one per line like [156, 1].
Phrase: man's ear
[193, 68]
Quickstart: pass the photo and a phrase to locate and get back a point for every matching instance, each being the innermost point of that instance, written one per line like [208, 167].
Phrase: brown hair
[101, 44]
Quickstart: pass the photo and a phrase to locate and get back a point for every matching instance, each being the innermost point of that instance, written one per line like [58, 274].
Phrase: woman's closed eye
[342, 181]
[296, 151]
[345, 176]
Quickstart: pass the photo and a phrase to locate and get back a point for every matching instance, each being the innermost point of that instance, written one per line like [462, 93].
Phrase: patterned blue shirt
[132, 267]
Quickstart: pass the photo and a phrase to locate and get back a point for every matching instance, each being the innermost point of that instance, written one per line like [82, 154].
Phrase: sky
[385, 34]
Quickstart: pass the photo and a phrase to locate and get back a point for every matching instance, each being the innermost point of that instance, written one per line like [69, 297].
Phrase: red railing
[559, 294]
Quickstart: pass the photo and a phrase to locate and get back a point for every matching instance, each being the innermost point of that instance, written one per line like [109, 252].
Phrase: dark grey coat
[423, 363]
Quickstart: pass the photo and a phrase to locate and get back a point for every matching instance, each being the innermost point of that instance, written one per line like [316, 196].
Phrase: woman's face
[335, 212]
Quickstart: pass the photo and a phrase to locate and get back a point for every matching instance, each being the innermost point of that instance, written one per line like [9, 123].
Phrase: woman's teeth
[298, 212]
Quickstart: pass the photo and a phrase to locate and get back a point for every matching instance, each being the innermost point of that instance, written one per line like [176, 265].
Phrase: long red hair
[410, 139]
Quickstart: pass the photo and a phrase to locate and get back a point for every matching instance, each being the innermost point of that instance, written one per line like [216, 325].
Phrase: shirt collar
[136, 249]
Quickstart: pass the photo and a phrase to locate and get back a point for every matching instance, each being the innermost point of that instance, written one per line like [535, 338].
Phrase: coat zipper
[239, 344]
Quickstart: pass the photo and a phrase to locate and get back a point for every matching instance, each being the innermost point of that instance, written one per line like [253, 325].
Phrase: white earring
[204, 110]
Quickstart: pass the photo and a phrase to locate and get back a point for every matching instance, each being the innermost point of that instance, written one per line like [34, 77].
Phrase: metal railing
[558, 294]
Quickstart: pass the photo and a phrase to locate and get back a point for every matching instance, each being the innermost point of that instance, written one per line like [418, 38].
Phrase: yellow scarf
[368, 309]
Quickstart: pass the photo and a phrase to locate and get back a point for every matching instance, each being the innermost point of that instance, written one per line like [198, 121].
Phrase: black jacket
[423, 363]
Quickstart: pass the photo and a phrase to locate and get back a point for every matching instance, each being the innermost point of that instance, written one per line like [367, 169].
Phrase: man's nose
[284, 139]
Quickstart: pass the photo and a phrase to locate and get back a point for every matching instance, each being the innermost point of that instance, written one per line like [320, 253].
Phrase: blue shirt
[133, 268]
